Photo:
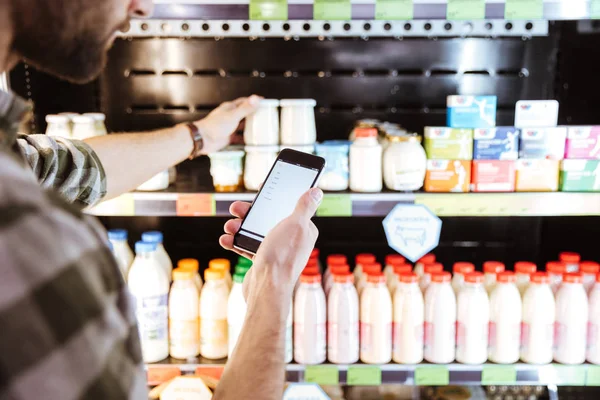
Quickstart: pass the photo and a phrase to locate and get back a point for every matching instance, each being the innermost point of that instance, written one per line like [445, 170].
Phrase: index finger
[239, 209]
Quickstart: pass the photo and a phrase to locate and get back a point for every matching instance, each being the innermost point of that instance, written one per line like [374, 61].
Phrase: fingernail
[317, 195]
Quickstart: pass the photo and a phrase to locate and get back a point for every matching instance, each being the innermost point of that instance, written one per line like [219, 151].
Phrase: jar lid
[411, 138]
[57, 119]
[365, 132]
[268, 103]
[569, 257]
[298, 102]
[337, 146]
[96, 116]
[303, 148]
[219, 155]
[493, 267]
[83, 119]
[261, 149]
[525, 267]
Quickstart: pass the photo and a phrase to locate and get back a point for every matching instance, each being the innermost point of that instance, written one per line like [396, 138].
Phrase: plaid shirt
[67, 322]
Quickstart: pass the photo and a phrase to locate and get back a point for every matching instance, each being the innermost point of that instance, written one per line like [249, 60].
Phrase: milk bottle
[184, 328]
[473, 319]
[420, 265]
[440, 320]
[570, 329]
[428, 270]
[460, 269]
[409, 315]
[393, 281]
[593, 340]
[213, 315]
[335, 270]
[310, 317]
[161, 255]
[223, 265]
[150, 287]
[590, 270]
[490, 270]
[361, 260]
[121, 250]
[556, 270]
[333, 259]
[368, 269]
[376, 321]
[190, 264]
[523, 271]
[236, 311]
[343, 321]
[289, 334]
[571, 260]
[505, 320]
[391, 261]
[537, 329]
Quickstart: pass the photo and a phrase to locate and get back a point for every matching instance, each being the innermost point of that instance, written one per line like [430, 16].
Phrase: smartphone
[292, 175]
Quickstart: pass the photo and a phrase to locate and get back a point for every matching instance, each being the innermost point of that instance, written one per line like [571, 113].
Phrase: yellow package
[448, 176]
[537, 175]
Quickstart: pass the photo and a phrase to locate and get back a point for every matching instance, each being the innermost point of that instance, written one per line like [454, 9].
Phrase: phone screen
[278, 197]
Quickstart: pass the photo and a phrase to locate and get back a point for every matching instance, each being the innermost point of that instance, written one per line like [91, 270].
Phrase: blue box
[471, 111]
[501, 143]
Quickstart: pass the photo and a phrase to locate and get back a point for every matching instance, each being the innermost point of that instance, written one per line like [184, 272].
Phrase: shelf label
[269, 10]
[158, 375]
[364, 375]
[498, 375]
[322, 374]
[595, 9]
[593, 375]
[435, 375]
[394, 9]
[215, 371]
[570, 375]
[124, 205]
[465, 9]
[335, 205]
[524, 9]
[412, 230]
[304, 391]
[332, 10]
[196, 205]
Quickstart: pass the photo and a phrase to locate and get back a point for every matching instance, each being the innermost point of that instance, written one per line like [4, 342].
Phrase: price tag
[498, 375]
[593, 375]
[158, 375]
[196, 205]
[269, 10]
[435, 375]
[123, 205]
[570, 375]
[332, 10]
[465, 9]
[364, 376]
[213, 371]
[335, 205]
[394, 9]
[524, 9]
[322, 374]
[595, 9]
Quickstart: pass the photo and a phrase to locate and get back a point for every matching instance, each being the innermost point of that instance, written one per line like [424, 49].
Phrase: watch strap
[197, 139]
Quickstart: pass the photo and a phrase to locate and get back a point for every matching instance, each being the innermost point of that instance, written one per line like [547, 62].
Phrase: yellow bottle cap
[182, 274]
[189, 264]
[213, 275]
[219, 264]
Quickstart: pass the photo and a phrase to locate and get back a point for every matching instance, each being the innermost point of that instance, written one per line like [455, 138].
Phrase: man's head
[70, 38]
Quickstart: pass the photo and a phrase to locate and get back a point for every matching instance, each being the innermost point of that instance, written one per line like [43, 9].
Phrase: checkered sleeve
[70, 167]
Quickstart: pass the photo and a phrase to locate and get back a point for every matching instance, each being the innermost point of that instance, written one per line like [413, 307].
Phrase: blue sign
[412, 230]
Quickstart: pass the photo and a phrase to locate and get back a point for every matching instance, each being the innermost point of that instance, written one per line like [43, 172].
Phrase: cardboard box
[537, 175]
[583, 142]
[448, 176]
[448, 143]
[471, 111]
[501, 143]
[543, 143]
[536, 113]
[493, 176]
[580, 176]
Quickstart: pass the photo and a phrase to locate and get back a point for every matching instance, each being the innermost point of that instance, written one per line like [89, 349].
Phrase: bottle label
[427, 335]
[213, 332]
[184, 335]
[399, 335]
[152, 316]
[341, 338]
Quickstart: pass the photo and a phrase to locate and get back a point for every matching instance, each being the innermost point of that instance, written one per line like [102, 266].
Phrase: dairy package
[448, 176]
[583, 142]
[537, 175]
[580, 176]
[543, 143]
[443, 143]
[536, 113]
[501, 143]
[471, 111]
[493, 176]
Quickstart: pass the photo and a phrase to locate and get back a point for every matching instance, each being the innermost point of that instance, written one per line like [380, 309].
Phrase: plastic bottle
[310, 317]
[150, 287]
[570, 329]
[419, 266]
[460, 269]
[311, 268]
[121, 250]
[335, 270]
[523, 271]
[362, 259]
[160, 254]
[505, 320]
[556, 270]
[241, 269]
[333, 259]
[236, 312]
[224, 265]
[428, 270]
[376, 321]
[593, 340]
[368, 269]
[395, 280]
[490, 270]
[190, 264]
[343, 320]
[440, 320]
[390, 261]
[590, 271]
[537, 329]
[213, 315]
[244, 261]
[289, 335]
[366, 164]
[473, 320]
[571, 260]
[184, 328]
[409, 316]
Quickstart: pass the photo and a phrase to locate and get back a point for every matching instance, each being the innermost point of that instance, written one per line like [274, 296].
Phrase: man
[67, 324]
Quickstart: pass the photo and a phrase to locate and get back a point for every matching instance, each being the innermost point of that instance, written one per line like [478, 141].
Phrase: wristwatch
[197, 139]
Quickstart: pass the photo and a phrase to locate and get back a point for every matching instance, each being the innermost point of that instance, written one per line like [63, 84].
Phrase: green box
[579, 176]
[443, 143]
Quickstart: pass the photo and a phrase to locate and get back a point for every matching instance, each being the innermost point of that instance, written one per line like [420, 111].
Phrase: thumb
[247, 107]
[308, 203]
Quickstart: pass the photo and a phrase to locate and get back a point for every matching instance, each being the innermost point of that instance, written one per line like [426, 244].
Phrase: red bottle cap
[463, 267]
[474, 277]
[402, 269]
[440, 277]
[365, 132]
[339, 269]
[373, 268]
[337, 259]
[556, 267]
[408, 278]
[315, 253]
[589, 267]
[365, 258]
[343, 277]
[525, 267]
[427, 259]
[493, 267]
[569, 257]
[376, 277]
[540, 277]
[506, 277]
[433, 267]
[394, 259]
[572, 277]
[310, 278]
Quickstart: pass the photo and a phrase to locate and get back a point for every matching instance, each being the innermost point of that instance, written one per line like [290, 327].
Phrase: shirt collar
[13, 112]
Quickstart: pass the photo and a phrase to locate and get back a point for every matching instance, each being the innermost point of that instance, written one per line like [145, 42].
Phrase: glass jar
[298, 121]
[84, 127]
[226, 170]
[404, 163]
[365, 162]
[159, 181]
[99, 125]
[335, 175]
[262, 127]
[58, 125]
[70, 115]
[309, 148]
[259, 160]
